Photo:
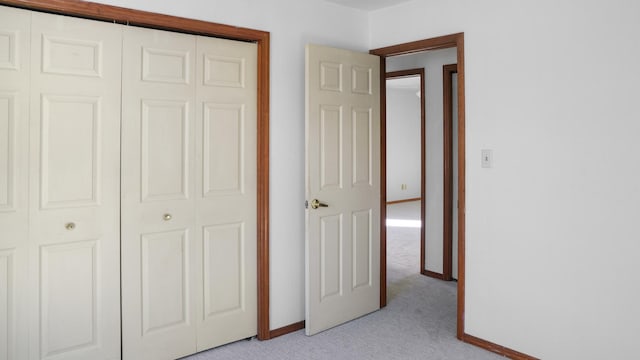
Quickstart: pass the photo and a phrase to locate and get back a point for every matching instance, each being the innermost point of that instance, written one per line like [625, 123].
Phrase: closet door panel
[158, 205]
[14, 178]
[226, 190]
[74, 188]
[164, 136]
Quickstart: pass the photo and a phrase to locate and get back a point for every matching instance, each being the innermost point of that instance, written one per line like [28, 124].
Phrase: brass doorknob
[166, 217]
[315, 203]
[70, 226]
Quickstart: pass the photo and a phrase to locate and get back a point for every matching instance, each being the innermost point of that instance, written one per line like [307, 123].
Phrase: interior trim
[287, 329]
[383, 183]
[432, 274]
[403, 201]
[146, 19]
[498, 349]
[447, 143]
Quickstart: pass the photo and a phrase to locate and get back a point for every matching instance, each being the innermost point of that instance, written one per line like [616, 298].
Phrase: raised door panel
[74, 188]
[224, 270]
[223, 149]
[164, 136]
[69, 144]
[226, 188]
[8, 148]
[331, 151]
[159, 247]
[331, 254]
[14, 178]
[165, 281]
[362, 249]
[69, 288]
[362, 152]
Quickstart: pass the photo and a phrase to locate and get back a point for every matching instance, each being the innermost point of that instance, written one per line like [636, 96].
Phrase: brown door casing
[442, 42]
[448, 205]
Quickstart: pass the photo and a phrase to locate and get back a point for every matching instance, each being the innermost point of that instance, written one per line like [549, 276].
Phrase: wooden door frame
[447, 106]
[114, 14]
[442, 42]
[404, 74]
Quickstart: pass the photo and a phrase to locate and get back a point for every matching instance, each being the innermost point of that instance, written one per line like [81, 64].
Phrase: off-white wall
[552, 246]
[403, 144]
[292, 24]
[432, 62]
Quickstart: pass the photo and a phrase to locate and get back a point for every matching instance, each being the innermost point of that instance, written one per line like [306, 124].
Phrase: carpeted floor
[418, 323]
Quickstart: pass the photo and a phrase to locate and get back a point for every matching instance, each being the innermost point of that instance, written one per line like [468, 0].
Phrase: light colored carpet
[418, 323]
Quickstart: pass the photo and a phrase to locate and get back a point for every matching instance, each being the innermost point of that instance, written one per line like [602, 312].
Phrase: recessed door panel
[69, 286]
[331, 147]
[9, 52]
[362, 247]
[362, 147]
[70, 133]
[331, 76]
[361, 80]
[7, 151]
[331, 270]
[224, 71]
[223, 149]
[165, 65]
[71, 56]
[224, 274]
[165, 150]
[165, 285]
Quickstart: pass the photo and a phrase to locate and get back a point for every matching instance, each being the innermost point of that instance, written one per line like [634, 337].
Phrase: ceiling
[368, 5]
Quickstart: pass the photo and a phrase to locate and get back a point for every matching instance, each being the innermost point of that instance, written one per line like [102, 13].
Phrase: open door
[342, 186]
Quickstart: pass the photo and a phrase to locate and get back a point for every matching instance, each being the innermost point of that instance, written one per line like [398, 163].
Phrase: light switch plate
[487, 158]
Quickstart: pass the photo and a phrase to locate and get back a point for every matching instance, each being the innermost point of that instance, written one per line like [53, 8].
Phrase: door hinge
[306, 204]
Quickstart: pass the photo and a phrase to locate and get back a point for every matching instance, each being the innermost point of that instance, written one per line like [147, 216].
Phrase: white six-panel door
[343, 173]
[74, 172]
[188, 193]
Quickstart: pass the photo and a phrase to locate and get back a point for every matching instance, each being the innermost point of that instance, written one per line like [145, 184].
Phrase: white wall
[292, 24]
[552, 246]
[403, 143]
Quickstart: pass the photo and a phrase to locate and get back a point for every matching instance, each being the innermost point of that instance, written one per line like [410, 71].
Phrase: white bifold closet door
[59, 187]
[188, 193]
[14, 180]
[74, 188]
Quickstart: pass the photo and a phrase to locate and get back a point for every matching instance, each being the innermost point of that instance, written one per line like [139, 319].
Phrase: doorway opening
[444, 42]
[405, 182]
